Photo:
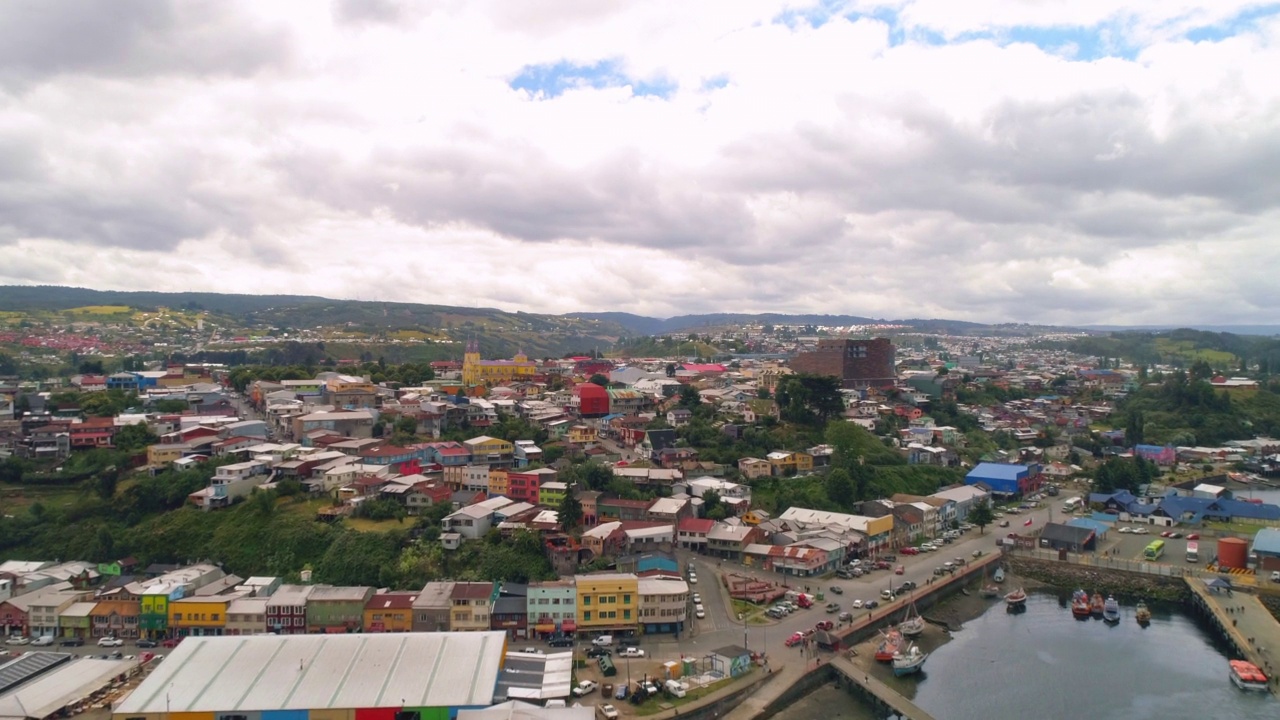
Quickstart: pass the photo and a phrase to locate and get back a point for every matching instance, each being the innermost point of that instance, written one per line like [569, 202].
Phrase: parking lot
[89, 649]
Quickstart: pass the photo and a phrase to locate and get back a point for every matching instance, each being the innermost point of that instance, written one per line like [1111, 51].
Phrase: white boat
[1111, 610]
[909, 662]
[1017, 597]
[913, 624]
[999, 575]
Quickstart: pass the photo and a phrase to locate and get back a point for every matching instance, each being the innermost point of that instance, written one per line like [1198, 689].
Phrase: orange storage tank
[1233, 553]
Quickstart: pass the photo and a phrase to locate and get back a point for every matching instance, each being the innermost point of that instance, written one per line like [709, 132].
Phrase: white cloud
[376, 149]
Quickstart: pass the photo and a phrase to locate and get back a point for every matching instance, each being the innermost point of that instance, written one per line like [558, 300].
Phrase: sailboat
[913, 624]
[909, 662]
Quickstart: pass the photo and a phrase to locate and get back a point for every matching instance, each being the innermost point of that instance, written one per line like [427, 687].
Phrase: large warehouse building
[383, 676]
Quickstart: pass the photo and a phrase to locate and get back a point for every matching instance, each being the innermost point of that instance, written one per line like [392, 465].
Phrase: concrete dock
[880, 694]
[1246, 625]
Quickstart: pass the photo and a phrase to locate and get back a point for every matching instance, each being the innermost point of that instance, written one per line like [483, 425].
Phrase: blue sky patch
[1234, 26]
[553, 79]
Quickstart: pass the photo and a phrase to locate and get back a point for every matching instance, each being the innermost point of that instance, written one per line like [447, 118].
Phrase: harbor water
[1044, 662]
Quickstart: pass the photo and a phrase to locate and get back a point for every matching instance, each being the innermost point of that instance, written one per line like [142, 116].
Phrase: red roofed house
[691, 533]
[93, 432]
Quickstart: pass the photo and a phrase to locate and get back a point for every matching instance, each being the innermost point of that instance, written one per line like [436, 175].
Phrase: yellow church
[493, 372]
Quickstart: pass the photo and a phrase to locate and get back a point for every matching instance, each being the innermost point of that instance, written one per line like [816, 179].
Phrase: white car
[699, 612]
[1140, 531]
[17, 640]
[584, 687]
[697, 598]
[631, 652]
[693, 579]
[1126, 529]
[856, 604]
[110, 642]
[609, 712]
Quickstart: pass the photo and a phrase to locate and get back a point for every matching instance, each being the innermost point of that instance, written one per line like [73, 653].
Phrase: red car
[1193, 536]
[795, 639]
[824, 625]
[171, 642]
[909, 551]
[1166, 533]
[899, 570]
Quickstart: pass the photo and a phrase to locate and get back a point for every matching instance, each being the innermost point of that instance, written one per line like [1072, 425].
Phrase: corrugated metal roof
[305, 672]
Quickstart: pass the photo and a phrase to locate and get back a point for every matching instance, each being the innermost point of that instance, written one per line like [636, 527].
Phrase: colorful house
[199, 616]
[337, 609]
[607, 602]
[389, 612]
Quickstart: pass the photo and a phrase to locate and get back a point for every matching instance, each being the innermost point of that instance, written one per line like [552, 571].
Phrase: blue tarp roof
[1267, 541]
[1099, 527]
[998, 471]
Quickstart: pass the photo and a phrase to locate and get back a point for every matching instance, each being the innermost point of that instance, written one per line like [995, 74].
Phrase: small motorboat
[1142, 614]
[909, 662]
[1096, 604]
[1248, 676]
[999, 575]
[1080, 604]
[990, 591]
[1017, 597]
[1110, 611]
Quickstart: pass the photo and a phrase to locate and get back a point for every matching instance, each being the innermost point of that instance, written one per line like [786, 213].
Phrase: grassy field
[17, 498]
[1186, 349]
[100, 310]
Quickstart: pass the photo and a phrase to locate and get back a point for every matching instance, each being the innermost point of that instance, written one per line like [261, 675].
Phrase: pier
[875, 692]
[1245, 624]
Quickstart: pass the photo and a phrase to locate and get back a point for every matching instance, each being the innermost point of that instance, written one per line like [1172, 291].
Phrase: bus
[1193, 551]
[1154, 550]
[1071, 505]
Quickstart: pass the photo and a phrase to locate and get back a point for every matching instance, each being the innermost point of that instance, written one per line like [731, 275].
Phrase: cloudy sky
[1069, 161]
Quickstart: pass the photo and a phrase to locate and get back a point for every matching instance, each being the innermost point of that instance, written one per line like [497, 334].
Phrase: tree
[689, 397]
[840, 488]
[107, 481]
[710, 501]
[570, 512]
[809, 399]
[133, 438]
[671, 370]
[600, 380]
[1134, 427]
[981, 515]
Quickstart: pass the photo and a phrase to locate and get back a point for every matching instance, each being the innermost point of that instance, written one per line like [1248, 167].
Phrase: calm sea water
[1046, 663]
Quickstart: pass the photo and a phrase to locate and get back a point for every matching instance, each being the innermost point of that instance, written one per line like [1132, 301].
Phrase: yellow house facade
[788, 462]
[582, 434]
[499, 483]
[162, 454]
[485, 449]
[607, 601]
[199, 615]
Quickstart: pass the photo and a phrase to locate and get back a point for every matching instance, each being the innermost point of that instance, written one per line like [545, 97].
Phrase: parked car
[110, 641]
[871, 604]
[1140, 531]
[845, 616]
[72, 642]
[697, 598]
[1004, 523]
[171, 642]
[795, 639]
[608, 712]
[1193, 536]
[889, 558]
[596, 651]
[1125, 530]
[17, 640]
[699, 612]
[602, 640]
[145, 643]
[533, 651]
[909, 551]
[899, 570]
[584, 687]
[631, 652]
[824, 625]
[1166, 533]
[856, 604]
[621, 692]
[42, 641]
[837, 589]
[907, 585]
[560, 641]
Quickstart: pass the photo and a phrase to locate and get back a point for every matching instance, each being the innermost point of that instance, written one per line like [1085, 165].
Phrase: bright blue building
[1002, 479]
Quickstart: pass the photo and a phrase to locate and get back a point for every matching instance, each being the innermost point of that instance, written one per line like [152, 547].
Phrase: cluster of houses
[77, 600]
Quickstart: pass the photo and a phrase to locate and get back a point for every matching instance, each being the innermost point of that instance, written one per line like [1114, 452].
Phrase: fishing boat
[909, 662]
[990, 591]
[999, 575]
[1080, 604]
[1142, 614]
[890, 646]
[1247, 676]
[1096, 604]
[1017, 597]
[1111, 610]
[913, 624]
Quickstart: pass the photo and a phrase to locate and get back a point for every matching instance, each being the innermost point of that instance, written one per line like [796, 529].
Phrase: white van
[675, 689]
[603, 641]
[42, 641]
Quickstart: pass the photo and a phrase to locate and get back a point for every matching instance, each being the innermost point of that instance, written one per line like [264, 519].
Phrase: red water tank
[1233, 553]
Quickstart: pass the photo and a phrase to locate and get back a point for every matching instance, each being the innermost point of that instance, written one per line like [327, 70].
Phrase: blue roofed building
[1099, 527]
[1001, 479]
[1266, 545]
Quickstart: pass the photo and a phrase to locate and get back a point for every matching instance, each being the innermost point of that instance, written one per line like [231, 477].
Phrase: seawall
[1101, 579]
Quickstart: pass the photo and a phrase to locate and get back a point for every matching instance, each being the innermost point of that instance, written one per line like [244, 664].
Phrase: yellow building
[390, 612]
[492, 372]
[498, 483]
[582, 434]
[162, 454]
[607, 601]
[786, 462]
[200, 615]
[487, 450]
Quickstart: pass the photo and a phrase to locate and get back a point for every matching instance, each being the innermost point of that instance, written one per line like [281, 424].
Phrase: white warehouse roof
[310, 672]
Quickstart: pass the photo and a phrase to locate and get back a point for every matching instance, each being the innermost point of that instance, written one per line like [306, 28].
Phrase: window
[177, 617]
[586, 616]
[626, 599]
[626, 614]
[216, 617]
[586, 600]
